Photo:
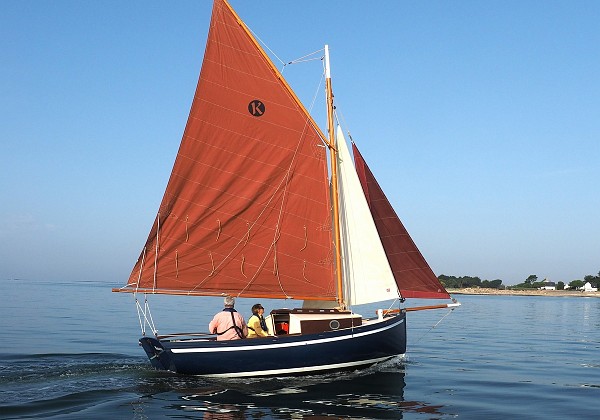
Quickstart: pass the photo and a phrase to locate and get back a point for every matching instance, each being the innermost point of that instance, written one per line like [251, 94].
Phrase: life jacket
[263, 325]
[238, 330]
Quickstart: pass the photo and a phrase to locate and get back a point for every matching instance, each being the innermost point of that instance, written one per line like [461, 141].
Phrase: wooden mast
[334, 181]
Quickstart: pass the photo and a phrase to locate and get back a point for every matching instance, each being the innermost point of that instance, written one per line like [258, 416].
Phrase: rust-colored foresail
[414, 277]
[246, 211]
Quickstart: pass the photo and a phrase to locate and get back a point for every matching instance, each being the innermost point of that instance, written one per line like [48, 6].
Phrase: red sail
[246, 211]
[414, 277]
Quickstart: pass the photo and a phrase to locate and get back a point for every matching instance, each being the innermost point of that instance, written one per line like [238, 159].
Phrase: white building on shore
[587, 287]
[548, 285]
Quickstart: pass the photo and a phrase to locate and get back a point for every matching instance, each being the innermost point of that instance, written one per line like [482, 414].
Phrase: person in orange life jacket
[228, 324]
[257, 327]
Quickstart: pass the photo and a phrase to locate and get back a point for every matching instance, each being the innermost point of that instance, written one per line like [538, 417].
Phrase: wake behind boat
[256, 207]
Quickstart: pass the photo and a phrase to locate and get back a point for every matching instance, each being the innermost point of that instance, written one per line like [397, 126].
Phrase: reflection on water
[377, 392]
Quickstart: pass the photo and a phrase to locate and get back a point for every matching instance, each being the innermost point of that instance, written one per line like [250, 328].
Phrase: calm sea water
[70, 351]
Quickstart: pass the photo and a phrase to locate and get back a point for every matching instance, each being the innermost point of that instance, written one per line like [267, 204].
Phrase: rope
[392, 304]
[141, 266]
[266, 46]
[247, 234]
[156, 250]
[283, 184]
[242, 266]
[305, 240]
[304, 59]
[298, 60]
[436, 324]
[275, 266]
[187, 234]
[213, 264]
[144, 315]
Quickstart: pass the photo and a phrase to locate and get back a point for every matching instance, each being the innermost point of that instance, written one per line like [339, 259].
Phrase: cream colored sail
[368, 277]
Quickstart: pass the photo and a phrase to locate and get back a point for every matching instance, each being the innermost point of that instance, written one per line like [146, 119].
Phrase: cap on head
[229, 302]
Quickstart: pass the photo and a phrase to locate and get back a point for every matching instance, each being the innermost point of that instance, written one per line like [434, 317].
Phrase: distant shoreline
[533, 292]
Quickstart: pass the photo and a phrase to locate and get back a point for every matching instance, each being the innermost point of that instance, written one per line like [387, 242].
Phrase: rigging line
[247, 234]
[304, 61]
[305, 58]
[284, 64]
[154, 330]
[392, 304]
[187, 235]
[265, 45]
[436, 324]
[246, 237]
[137, 286]
[342, 122]
[226, 257]
[284, 183]
[300, 59]
[214, 268]
[138, 310]
[339, 116]
[156, 250]
[212, 263]
[145, 314]
[275, 266]
[242, 267]
[305, 239]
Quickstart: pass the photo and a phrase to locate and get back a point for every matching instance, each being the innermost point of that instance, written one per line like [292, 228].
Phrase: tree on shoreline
[531, 282]
[576, 284]
[453, 282]
[594, 280]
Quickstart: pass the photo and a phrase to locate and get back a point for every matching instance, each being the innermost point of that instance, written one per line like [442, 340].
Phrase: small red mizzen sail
[246, 211]
[414, 277]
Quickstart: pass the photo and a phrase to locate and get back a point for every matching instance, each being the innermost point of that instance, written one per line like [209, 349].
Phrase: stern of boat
[158, 355]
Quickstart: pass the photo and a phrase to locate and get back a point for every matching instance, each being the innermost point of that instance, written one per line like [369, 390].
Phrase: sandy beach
[484, 291]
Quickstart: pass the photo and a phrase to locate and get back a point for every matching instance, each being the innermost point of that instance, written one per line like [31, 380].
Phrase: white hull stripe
[282, 345]
[306, 369]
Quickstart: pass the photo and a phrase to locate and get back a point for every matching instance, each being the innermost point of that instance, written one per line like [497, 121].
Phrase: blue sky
[481, 121]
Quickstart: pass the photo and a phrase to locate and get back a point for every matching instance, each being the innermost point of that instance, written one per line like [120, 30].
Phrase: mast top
[327, 68]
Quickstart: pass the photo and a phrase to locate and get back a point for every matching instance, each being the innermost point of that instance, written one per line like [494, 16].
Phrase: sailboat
[262, 204]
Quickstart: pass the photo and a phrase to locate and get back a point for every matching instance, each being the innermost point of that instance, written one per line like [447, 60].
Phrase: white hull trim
[306, 369]
[282, 345]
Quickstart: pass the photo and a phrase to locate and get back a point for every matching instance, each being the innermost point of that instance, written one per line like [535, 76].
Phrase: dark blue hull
[343, 349]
